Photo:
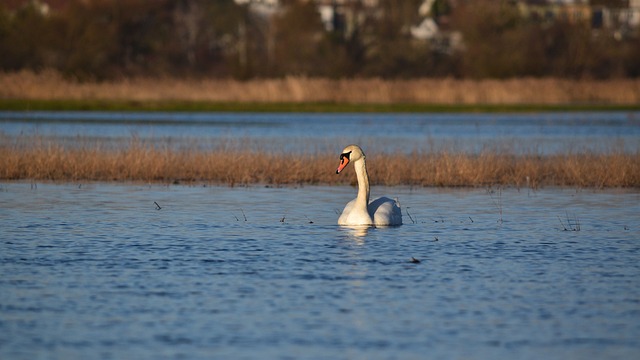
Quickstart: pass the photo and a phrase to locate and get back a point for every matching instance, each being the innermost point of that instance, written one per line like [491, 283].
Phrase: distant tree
[609, 3]
[87, 41]
[441, 8]
[301, 45]
[631, 55]
[390, 50]
[102, 39]
[24, 38]
[204, 36]
[500, 43]
[225, 20]
[494, 36]
[347, 42]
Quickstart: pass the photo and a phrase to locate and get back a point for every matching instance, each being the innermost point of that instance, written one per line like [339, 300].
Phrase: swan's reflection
[356, 232]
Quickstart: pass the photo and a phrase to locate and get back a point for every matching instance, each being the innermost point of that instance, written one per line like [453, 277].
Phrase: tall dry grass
[47, 161]
[49, 85]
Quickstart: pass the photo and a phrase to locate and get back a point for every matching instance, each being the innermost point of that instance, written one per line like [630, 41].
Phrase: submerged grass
[137, 161]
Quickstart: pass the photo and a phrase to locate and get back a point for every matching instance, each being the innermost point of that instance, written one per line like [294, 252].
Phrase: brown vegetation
[52, 86]
[45, 161]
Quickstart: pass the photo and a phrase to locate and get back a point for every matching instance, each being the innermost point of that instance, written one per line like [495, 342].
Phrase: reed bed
[48, 161]
[49, 85]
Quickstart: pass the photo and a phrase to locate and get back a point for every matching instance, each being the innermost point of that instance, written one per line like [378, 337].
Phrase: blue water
[538, 133]
[151, 272]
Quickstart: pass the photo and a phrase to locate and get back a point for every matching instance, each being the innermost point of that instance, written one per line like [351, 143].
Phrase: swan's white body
[382, 211]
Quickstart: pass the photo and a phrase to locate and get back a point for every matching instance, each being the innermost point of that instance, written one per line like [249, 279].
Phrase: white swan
[359, 211]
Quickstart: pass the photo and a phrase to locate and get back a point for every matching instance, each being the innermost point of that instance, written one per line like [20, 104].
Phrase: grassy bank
[204, 106]
[138, 162]
[50, 91]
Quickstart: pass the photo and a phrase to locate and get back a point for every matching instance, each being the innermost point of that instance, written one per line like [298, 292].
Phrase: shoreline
[34, 184]
[26, 105]
[48, 90]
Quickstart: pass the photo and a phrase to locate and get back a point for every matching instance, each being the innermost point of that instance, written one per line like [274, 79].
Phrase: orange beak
[343, 163]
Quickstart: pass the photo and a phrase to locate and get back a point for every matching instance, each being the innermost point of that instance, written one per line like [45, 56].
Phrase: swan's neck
[363, 185]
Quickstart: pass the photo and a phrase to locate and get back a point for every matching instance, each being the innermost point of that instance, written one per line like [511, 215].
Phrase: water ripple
[121, 280]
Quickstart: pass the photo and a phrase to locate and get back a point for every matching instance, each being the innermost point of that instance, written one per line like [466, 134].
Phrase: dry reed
[46, 161]
[49, 85]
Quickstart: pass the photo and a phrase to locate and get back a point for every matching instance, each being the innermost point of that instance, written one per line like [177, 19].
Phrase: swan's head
[349, 154]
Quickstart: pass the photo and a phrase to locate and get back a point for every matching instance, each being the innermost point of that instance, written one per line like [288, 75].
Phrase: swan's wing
[385, 212]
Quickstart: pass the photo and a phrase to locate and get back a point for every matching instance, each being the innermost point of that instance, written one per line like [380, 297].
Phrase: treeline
[107, 39]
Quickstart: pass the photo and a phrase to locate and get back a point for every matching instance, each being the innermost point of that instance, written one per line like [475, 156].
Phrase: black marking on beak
[345, 155]
[343, 162]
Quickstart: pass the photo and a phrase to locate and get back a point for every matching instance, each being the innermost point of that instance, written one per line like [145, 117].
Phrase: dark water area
[538, 133]
[137, 271]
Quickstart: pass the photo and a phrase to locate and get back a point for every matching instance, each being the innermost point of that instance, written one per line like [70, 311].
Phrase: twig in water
[441, 219]
[470, 219]
[497, 204]
[564, 228]
[245, 216]
[575, 226]
[576, 223]
[157, 206]
[410, 217]
[310, 221]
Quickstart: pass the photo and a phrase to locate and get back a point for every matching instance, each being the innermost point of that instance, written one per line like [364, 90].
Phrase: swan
[382, 211]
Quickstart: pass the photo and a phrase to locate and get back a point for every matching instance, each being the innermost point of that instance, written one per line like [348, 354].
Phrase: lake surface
[161, 272]
[538, 133]
[95, 270]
